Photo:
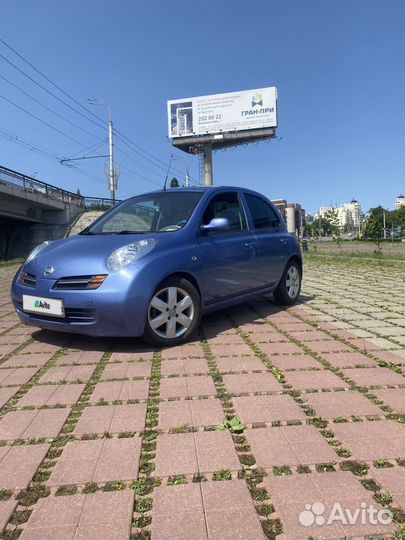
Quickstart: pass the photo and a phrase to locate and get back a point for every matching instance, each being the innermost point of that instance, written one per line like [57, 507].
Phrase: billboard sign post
[202, 124]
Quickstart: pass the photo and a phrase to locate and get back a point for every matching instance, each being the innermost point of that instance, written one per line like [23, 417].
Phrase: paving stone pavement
[110, 439]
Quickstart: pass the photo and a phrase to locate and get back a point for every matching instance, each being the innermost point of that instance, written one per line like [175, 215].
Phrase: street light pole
[112, 181]
[112, 174]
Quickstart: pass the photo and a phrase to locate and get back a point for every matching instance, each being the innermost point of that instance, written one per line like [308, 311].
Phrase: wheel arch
[185, 275]
[296, 259]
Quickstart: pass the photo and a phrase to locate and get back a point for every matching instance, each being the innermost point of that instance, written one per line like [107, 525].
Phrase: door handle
[283, 240]
[251, 243]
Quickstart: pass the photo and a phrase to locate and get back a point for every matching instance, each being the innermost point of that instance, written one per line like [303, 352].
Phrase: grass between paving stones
[252, 475]
[400, 418]
[357, 468]
[10, 404]
[327, 365]
[385, 498]
[374, 331]
[36, 489]
[145, 484]
[299, 397]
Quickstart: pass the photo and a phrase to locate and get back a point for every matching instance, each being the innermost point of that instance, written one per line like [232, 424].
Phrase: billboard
[221, 113]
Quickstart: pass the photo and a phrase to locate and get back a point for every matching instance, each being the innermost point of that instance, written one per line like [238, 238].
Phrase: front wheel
[289, 287]
[174, 312]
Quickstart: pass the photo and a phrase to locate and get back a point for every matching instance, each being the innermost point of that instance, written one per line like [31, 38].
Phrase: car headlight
[36, 250]
[129, 253]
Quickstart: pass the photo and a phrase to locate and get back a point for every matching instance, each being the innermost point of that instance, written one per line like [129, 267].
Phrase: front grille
[79, 282]
[27, 279]
[72, 315]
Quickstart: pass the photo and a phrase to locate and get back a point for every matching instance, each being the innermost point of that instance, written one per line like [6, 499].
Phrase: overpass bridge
[32, 211]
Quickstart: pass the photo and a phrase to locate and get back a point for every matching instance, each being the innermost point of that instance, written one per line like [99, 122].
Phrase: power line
[25, 144]
[132, 145]
[44, 122]
[138, 162]
[163, 167]
[49, 80]
[49, 109]
[93, 148]
[53, 157]
[48, 91]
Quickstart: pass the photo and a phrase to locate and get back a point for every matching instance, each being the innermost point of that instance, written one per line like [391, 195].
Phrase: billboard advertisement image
[221, 113]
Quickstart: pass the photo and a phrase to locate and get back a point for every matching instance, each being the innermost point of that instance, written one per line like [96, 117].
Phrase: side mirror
[216, 225]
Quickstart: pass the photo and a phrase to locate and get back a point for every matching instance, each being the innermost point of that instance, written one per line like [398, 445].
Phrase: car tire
[289, 287]
[174, 313]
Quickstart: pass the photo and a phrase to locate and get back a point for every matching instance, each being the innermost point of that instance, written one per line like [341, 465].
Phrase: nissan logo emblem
[48, 270]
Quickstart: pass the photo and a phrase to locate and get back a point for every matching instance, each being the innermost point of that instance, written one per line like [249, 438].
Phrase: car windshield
[156, 212]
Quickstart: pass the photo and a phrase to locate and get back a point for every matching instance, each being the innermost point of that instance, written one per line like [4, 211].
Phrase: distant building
[399, 201]
[309, 218]
[349, 214]
[293, 214]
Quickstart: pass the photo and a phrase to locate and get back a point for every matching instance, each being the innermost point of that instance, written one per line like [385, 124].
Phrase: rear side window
[263, 215]
[226, 205]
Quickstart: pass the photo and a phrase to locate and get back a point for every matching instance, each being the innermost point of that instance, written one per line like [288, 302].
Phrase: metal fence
[29, 184]
[99, 202]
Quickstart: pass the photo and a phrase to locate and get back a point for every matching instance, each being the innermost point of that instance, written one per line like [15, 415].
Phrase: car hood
[83, 255]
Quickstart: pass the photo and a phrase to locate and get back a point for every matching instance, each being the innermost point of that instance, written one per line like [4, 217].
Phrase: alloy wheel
[171, 312]
[292, 282]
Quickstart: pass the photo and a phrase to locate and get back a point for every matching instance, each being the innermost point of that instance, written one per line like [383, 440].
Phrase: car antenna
[167, 174]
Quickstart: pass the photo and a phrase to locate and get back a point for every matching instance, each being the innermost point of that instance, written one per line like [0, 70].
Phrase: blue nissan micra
[152, 265]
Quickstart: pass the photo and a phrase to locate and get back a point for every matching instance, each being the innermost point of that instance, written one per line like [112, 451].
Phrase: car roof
[202, 189]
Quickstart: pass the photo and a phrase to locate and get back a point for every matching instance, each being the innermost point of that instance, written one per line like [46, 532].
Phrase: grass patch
[223, 474]
[355, 467]
[382, 464]
[265, 509]
[90, 487]
[5, 494]
[177, 480]
[282, 470]
[66, 490]
[144, 505]
[31, 495]
[144, 486]
[20, 517]
[303, 469]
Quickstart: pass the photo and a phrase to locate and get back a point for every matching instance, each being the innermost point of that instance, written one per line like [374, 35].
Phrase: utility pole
[208, 176]
[187, 178]
[110, 172]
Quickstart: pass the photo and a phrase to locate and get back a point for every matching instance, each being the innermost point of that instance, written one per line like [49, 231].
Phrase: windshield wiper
[130, 232]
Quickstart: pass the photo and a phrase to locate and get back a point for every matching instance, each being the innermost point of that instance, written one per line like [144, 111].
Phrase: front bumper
[117, 308]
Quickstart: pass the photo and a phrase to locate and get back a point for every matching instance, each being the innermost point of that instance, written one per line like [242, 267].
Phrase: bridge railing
[32, 185]
[102, 203]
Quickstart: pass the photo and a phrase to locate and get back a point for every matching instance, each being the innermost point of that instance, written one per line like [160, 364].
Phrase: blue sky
[338, 66]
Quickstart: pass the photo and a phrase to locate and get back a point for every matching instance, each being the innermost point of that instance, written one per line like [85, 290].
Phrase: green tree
[374, 229]
[333, 220]
[174, 183]
[323, 225]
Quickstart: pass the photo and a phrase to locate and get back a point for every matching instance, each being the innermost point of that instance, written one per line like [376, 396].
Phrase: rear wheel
[289, 287]
[174, 312]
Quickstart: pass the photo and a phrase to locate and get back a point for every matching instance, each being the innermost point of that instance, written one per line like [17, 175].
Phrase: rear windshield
[156, 212]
